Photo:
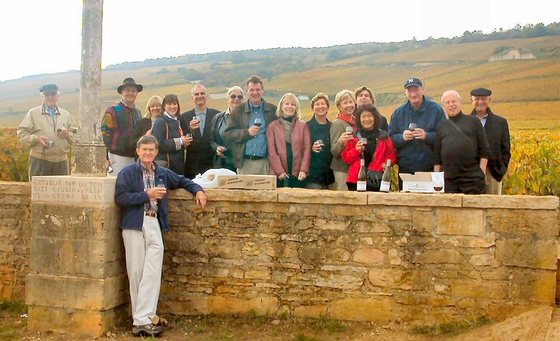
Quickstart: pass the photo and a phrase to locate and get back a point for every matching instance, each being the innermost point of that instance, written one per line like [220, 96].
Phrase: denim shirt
[257, 145]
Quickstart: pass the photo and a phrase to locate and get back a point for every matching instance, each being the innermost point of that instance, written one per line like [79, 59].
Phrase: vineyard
[534, 168]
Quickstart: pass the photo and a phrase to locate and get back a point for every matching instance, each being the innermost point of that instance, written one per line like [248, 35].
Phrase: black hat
[481, 92]
[412, 82]
[49, 87]
[129, 82]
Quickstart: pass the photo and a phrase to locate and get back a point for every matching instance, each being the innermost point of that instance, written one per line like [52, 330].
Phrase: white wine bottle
[362, 181]
[386, 178]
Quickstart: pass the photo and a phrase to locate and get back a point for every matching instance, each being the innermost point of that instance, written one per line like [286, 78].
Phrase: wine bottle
[386, 178]
[362, 182]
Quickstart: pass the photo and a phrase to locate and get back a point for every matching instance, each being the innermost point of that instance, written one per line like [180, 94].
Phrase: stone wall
[15, 213]
[357, 256]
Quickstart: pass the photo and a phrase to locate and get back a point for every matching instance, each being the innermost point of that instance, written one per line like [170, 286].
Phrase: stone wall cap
[310, 196]
[415, 199]
[511, 201]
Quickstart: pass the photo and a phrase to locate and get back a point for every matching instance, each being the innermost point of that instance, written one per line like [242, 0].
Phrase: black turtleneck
[459, 146]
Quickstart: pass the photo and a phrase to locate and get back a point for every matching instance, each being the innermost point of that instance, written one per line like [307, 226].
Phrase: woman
[289, 144]
[377, 149]
[320, 173]
[223, 157]
[145, 124]
[169, 134]
[341, 131]
[364, 95]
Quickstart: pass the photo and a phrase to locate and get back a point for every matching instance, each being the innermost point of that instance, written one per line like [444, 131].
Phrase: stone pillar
[77, 280]
[89, 152]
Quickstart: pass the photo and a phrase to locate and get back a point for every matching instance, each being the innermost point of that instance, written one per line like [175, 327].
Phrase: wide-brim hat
[129, 82]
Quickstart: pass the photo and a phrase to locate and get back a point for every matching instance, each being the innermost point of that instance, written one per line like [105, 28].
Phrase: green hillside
[525, 90]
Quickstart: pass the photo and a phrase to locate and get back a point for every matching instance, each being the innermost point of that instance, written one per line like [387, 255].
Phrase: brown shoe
[147, 330]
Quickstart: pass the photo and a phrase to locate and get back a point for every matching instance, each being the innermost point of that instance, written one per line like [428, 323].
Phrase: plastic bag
[209, 179]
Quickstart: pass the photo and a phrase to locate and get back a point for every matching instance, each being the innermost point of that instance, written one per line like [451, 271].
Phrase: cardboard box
[260, 181]
[423, 182]
[247, 181]
[231, 181]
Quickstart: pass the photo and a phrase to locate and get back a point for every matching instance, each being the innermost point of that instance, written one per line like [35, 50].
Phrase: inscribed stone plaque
[73, 190]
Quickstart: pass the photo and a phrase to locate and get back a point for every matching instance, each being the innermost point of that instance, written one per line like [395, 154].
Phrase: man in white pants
[141, 194]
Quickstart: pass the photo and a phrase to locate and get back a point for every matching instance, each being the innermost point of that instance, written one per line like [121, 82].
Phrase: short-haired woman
[223, 157]
[342, 130]
[289, 144]
[320, 173]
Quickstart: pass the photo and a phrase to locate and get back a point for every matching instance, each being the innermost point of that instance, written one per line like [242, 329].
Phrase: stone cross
[89, 152]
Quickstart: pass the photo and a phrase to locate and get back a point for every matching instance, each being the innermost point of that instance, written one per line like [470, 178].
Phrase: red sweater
[384, 151]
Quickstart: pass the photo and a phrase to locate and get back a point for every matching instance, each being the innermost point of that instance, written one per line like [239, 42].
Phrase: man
[200, 155]
[118, 124]
[141, 194]
[461, 148]
[413, 129]
[364, 95]
[48, 130]
[497, 132]
[246, 130]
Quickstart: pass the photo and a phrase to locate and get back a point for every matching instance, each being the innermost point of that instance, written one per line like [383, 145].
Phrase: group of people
[253, 136]
[163, 150]
[258, 137]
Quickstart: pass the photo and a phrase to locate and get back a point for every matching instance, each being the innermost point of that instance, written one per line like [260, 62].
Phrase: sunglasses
[239, 97]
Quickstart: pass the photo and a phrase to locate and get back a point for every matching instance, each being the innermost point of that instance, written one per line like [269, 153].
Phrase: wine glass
[363, 140]
[258, 122]
[412, 126]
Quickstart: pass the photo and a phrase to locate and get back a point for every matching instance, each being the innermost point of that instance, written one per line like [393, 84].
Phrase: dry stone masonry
[354, 256]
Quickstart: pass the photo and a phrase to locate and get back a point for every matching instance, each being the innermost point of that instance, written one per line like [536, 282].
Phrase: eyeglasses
[199, 93]
[239, 97]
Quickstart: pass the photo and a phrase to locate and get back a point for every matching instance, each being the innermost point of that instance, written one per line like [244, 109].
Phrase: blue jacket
[416, 155]
[130, 195]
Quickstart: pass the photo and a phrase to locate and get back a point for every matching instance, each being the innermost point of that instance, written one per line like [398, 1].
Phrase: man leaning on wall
[141, 194]
[49, 130]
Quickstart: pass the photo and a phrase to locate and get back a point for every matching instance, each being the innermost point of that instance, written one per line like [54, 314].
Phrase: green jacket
[237, 131]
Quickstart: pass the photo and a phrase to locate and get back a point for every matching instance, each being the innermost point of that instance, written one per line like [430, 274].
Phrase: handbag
[373, 179]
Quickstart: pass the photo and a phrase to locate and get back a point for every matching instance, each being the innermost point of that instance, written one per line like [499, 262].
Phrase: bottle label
[361, 186]
[385, 186]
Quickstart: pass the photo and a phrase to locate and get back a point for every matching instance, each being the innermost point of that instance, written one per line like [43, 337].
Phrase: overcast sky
[41, 36]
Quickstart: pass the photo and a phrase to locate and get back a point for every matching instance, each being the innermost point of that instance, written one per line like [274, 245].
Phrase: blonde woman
[145, 124]
[342, 130]
[289, 144]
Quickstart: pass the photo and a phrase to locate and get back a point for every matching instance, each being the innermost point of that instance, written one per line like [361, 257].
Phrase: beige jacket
[38, 123]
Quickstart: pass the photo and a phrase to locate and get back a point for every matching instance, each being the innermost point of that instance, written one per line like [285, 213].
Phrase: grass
[451, 328]
[303, 337]
[14, 307]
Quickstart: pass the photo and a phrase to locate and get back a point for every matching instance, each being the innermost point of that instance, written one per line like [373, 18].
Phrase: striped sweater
[117, 126]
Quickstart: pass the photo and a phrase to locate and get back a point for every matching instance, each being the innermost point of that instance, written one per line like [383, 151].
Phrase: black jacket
[497, 132]
[165, 130]
[200, 155]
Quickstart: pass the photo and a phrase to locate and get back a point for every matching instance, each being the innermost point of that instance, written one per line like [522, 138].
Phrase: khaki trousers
[492, 186]
[254, 167]
[340, 181]
[119, 162]
[144, 261]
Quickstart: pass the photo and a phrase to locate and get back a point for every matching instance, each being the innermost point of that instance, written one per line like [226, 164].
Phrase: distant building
[303, 97]
[510, 55]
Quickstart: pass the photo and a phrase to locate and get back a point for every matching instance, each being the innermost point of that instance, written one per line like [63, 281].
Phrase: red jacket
[384, 150]
[301, 148]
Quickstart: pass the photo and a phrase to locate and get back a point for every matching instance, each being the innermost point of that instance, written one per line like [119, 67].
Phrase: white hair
[451, 92]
